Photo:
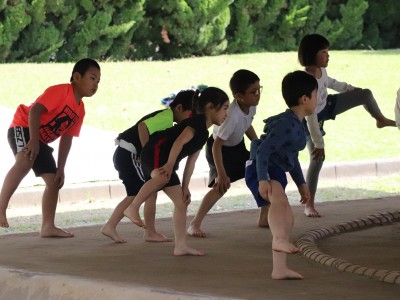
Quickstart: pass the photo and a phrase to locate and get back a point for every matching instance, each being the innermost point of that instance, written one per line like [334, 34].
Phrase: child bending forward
[275, 153]
[163, 152]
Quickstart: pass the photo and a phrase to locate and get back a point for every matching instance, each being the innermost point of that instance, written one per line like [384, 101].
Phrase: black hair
[241, 80]
[213, 95]
[309, 47]
[83, 65]
[297, 84]
[185, 98]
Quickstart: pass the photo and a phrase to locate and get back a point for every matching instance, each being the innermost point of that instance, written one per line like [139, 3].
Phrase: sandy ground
[237, 265]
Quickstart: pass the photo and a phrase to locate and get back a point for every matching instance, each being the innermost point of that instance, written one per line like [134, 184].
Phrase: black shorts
[44, 163]
[234, 159]
[152, 159]
[129, 171]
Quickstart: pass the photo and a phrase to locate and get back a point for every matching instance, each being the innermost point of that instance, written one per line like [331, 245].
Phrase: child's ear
[303, 99]
[238, 96]
[179, 107]
[76, 76]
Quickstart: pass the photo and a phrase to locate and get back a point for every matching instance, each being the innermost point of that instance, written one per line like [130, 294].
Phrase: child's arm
[33, 146]
[63, 151]
[222, 182]
[251, 133]
[339, 86]
[186, 135]
[187, 175]
[318, 153]
[143, 133]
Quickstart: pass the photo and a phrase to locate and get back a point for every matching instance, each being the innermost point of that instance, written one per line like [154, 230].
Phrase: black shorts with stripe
[129, 171]
[44, 163]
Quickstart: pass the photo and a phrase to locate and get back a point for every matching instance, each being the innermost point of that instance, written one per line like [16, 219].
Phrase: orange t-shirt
[63, 116]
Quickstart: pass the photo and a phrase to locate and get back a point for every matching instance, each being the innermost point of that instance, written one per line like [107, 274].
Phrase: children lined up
[148, 153]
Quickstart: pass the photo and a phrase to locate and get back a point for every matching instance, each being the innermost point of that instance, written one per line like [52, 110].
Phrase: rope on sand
[308, 247]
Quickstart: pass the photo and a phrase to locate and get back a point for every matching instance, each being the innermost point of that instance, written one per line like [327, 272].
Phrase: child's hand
[318, 154]
[265, 189]
[187, 197]
[304, 193]
[165, 171]
[222, 183]
[59, 178]
[31, 149]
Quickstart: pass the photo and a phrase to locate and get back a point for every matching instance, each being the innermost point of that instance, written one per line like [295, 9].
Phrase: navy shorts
[251, 178]
[129, 171]
[44, 163]
[234, 159]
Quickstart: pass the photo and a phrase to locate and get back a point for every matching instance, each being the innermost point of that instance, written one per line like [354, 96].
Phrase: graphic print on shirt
[61, 123]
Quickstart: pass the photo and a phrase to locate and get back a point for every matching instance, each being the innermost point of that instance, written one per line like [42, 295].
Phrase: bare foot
[110, 232]
[196, 232]
[384, 122]
[280, 245]
[55, 232]
[156, 237]
[285, 274]
[187, 251]
[263, 217]
[311, 212]
[3, 220]
[133, 214]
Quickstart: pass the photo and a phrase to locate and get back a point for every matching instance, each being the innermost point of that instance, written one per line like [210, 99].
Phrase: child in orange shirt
[58, 112]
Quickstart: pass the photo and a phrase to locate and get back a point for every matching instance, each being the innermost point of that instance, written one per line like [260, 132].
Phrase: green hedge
[66, 30]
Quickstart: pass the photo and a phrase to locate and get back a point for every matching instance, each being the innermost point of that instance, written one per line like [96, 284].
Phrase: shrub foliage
[67, 30]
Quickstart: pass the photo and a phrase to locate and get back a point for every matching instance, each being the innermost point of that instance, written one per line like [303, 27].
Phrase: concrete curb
[308, 247]
[103, 190]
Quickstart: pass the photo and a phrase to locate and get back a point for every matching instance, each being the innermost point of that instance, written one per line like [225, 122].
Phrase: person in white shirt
[314, 57]
[226, 151]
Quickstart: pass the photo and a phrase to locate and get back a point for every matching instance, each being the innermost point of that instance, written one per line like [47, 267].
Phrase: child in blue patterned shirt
[275, 153]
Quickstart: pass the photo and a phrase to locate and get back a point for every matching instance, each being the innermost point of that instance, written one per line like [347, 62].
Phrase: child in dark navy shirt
[275, 153]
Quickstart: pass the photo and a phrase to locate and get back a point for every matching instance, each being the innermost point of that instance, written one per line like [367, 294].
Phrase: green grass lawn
[128, 90]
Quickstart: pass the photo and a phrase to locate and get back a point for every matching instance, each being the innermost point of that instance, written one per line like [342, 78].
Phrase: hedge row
[66, 30]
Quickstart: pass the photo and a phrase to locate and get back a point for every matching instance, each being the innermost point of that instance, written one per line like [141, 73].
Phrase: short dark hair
[83, 65]
[241, 80]
[185, 98]
[309, 47]
[297, 84]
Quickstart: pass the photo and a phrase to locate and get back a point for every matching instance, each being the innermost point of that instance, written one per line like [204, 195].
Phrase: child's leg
[150, 232]
[312, 181]
[18, 171]
[150, 187]
[348, 100]
[208, 202]
[109, 229]
[280, 269]
[280, 219]
[179, 218]
[49, 206]
[263, 216]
